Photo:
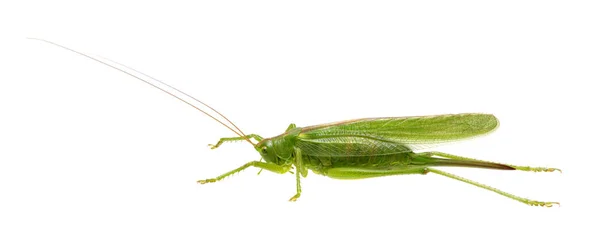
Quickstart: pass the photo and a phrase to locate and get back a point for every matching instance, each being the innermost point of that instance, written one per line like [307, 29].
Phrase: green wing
[384, 136]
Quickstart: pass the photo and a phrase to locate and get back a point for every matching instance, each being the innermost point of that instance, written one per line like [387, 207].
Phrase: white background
[87, 149]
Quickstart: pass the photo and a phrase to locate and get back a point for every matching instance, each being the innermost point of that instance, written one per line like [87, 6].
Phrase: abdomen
[320, 164]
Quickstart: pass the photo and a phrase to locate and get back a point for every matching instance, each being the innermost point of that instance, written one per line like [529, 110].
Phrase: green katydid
[360, 148]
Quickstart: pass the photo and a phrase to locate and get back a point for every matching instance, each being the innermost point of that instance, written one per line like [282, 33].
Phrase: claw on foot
[554, 169]
[545, 204]
[207, 181]
[295, 197]
[539, 169]
[212, 146]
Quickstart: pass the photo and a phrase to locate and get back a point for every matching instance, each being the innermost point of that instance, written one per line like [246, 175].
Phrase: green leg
[261, 168]
[300, 171]
[229, 139]
[298, 188]
[299, 165]
[267, 166]
[520, 168]
[521, 199]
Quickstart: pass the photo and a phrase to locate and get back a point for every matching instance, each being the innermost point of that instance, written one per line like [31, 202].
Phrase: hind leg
[520, 168]
[511, 196]
[362, 173]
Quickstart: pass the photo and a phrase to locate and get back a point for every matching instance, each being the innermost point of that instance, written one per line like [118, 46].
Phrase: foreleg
[262, 165]
[230, 139]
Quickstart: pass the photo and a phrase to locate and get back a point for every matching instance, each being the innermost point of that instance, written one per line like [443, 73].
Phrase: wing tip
[486, 122]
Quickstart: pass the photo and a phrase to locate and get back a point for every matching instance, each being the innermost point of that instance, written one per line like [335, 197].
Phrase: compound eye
[263, 150]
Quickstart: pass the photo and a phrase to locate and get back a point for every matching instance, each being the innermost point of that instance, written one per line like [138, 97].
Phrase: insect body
[362, 148]
[375, 147]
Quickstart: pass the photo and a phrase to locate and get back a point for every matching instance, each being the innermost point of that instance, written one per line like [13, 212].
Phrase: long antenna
[165, 84]
[240, 133]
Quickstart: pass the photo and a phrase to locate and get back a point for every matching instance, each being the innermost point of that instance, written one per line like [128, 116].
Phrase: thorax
[283, 146]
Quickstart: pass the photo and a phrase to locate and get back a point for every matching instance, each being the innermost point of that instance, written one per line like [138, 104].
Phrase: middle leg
[300, 171]
[298, 188]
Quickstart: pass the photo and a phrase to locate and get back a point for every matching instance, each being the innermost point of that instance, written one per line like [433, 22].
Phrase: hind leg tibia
[511, 196]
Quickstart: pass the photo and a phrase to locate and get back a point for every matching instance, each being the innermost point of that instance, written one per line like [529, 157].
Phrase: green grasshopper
[361, 148]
